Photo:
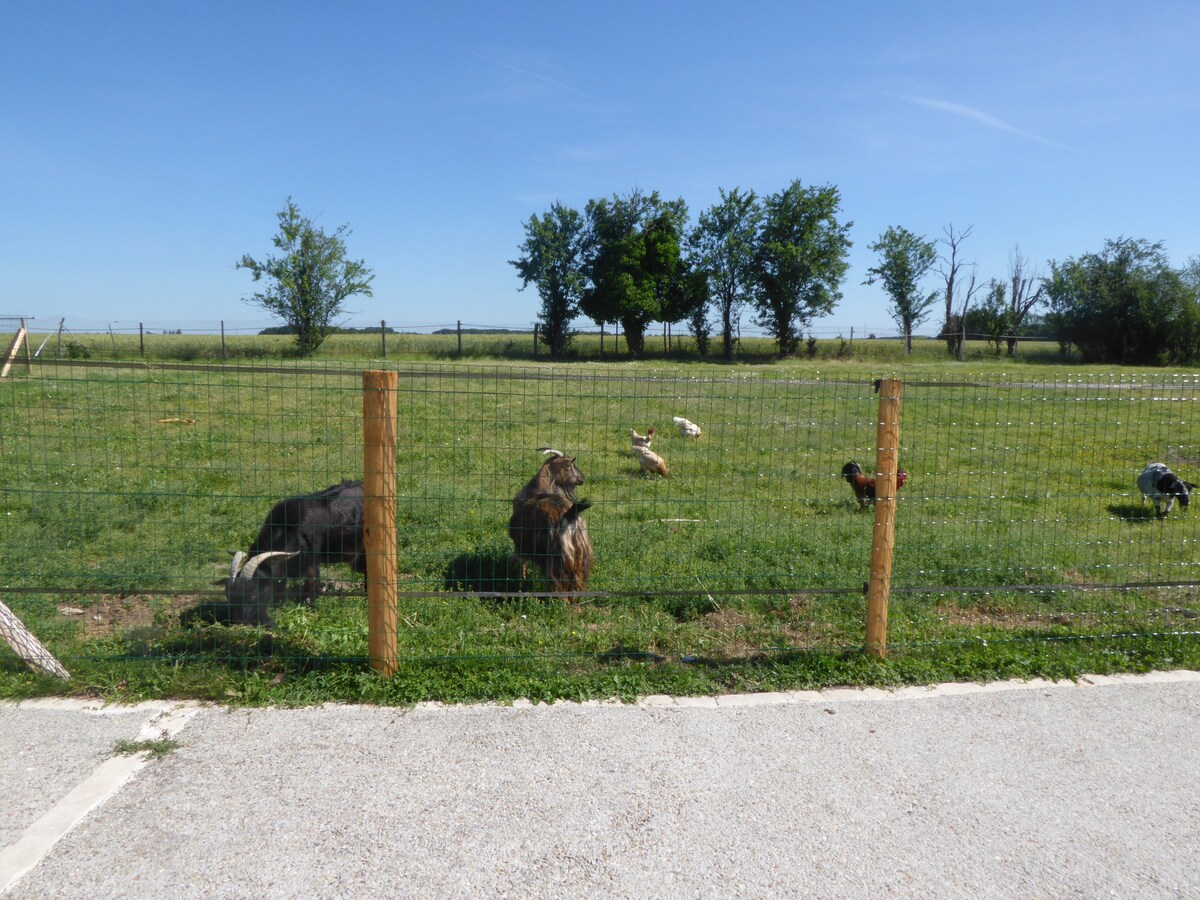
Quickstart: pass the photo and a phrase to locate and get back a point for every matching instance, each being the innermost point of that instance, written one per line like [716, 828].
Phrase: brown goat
[546, 526]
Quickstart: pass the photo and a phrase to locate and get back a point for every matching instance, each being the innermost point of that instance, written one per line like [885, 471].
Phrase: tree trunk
[635, 334]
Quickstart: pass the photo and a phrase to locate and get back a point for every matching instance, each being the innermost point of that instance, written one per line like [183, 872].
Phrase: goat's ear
[1191, 487]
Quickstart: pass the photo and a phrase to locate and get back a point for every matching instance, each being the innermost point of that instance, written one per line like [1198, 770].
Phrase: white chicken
[686, 428]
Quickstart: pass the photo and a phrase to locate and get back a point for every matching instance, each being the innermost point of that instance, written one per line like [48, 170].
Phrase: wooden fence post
[460, 337]
[21, 338]
[26, 646]
[379, 513]
[383, 337]
[883, 538]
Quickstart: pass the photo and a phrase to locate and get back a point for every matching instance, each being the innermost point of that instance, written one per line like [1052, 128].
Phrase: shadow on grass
[486, 571]
[237, 647]
[1132, 512]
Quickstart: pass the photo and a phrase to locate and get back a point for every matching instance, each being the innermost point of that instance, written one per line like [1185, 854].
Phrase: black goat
[298, 535]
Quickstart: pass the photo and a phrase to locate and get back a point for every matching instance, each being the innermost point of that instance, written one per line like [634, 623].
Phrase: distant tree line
[636, 259]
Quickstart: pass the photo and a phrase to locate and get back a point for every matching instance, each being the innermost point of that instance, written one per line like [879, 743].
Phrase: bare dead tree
[1022, 297]
[952, 272]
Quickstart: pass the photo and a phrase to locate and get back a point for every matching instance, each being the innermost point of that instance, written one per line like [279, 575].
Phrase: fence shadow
[236, 647]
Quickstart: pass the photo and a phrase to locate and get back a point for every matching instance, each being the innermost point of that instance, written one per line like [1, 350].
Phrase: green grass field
[1022, 545]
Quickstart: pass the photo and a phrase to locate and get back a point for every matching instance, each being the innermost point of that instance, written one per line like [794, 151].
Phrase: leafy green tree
[1125, 304]
[725, 242]
[904, 259]
[310, 281]
[800, 261]
[991, 319]
[687, 298]
[552, 259]
[632, 255]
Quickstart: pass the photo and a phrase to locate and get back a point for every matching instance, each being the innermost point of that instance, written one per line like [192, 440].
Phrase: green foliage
[904, 260]
[632, 261]
[1126, 304]
[156, 749]
[725, 245]
[992, 318]
[800, 261]
[552, 259]
[76, 350]
[310, 282]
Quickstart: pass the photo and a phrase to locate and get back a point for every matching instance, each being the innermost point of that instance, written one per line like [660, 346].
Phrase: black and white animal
[298, 535]
[1164, 487]
[547, 528]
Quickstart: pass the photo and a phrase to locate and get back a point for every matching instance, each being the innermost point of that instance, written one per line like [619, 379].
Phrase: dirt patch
[998, 617]
[109, 615]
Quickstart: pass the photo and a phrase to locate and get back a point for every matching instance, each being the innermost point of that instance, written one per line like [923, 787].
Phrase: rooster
[641, 440]
[864, 487]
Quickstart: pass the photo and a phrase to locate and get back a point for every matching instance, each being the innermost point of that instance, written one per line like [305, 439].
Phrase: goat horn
[253, 563]
[238, 556]
[550, 451]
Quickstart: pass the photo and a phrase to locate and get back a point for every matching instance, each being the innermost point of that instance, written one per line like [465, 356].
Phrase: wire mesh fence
[126, 489]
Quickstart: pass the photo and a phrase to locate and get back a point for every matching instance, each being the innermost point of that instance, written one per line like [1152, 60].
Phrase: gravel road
[1030, 790]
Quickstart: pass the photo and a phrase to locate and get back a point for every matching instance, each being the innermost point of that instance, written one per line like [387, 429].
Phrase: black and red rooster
[864, 487]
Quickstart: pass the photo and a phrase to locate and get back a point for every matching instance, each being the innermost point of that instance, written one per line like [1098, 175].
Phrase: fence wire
[125, 489]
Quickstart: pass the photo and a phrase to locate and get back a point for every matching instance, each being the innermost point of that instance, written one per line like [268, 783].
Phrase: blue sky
[144, 147]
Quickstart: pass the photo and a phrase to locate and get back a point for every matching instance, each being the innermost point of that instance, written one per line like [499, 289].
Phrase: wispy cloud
[980, 117]
[526, 73]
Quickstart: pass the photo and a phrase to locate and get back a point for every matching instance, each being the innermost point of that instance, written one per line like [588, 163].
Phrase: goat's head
[244, 592]
[1184, 494]
[563, 470]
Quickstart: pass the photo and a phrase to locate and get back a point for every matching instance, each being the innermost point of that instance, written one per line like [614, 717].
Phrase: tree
[952, 324]
[1022, 297]
[1125, 304]
[687, 299]
[552, 259]
[904, 259]
[800, 261]
[991, 318]
[311, 280]
[725, 242]
[631, 257]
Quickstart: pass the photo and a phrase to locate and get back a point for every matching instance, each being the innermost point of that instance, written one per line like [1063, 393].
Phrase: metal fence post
[883, 538]
[379, 502]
